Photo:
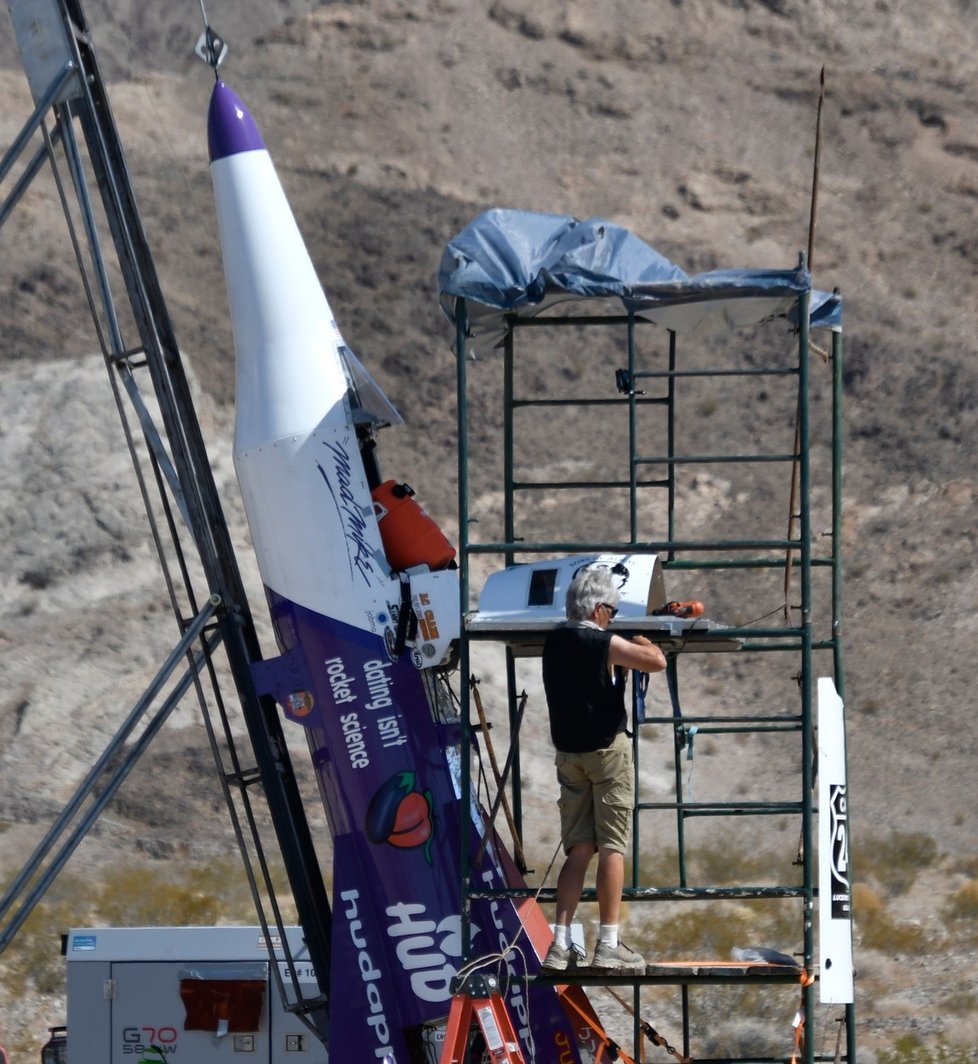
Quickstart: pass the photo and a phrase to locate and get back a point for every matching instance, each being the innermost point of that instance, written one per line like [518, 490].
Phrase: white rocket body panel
[312, 524]
[295, 450]
[289, 377]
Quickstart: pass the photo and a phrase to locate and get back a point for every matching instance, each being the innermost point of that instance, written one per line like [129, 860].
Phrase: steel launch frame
[808, 640]
[81, 146]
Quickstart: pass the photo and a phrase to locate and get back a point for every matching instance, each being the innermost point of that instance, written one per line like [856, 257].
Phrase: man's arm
[636, 653]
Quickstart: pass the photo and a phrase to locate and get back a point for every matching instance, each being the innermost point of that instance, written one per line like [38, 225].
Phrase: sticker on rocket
[401, 815]
[390, 644]
[839, 857]
[384, 624]
[619, 571]
[299, 703]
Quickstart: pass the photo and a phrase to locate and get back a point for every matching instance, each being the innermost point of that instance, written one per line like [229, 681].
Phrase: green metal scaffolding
[786, 393]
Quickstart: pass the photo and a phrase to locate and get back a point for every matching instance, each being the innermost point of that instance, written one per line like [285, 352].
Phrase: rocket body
[293, 421]
[384, 744]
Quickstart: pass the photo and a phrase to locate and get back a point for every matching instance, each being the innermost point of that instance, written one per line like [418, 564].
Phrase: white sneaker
[617, 957]
[558, 958]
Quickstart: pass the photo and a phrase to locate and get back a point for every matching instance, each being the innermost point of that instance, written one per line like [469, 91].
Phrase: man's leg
[610, 951]
[615, 800]
[610, 882]
[570, 882]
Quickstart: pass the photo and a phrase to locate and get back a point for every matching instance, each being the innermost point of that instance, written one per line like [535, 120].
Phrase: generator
[191, 995]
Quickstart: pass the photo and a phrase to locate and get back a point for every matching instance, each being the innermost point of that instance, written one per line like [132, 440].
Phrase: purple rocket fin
[286, 678]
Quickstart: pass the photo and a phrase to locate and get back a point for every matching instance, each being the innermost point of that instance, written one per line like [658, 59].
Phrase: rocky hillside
[392, 123]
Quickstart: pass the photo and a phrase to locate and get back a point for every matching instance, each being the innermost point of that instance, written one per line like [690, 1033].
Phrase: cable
[763, 617]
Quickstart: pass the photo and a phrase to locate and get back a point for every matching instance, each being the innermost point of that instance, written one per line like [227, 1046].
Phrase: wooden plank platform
[679, 971]
[718, 967]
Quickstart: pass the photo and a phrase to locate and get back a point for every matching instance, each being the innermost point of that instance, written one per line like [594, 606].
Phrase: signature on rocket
[401, 815]
[350, 514]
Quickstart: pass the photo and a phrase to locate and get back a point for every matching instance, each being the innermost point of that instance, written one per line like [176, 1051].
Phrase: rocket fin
[286, 678]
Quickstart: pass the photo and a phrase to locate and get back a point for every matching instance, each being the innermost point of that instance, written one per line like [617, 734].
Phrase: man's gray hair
[587, 589]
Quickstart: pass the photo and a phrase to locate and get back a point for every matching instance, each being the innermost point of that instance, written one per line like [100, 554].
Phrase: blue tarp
[522, 262]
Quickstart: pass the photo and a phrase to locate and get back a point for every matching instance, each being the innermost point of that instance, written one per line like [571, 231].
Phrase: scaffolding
[605, 434]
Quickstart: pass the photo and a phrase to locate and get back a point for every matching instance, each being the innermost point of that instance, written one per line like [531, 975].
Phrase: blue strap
[672, 680]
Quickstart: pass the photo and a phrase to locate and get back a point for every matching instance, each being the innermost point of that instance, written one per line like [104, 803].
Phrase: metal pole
[13, 152]
[671, 442]
[115, 782]
[509, 526]
[632, 436]
[95, 772]
[807, 683]
[462, 419]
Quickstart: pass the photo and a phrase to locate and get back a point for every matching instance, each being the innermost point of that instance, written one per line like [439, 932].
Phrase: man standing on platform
[584, 671]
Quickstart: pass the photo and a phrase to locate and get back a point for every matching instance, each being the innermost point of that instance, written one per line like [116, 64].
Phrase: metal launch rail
[78, 137]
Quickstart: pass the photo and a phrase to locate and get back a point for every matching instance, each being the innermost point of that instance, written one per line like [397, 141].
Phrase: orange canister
[409, 534]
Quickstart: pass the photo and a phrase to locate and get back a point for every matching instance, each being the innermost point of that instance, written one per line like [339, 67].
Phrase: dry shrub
[877, 928]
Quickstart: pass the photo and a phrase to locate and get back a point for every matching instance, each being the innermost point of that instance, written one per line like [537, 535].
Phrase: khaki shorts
[597, 795]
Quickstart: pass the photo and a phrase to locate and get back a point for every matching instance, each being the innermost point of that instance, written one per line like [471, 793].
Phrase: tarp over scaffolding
[507, 262]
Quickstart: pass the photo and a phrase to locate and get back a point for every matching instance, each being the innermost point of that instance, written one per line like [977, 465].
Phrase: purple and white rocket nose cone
[295, 448]
[230, 127]
[289, 374]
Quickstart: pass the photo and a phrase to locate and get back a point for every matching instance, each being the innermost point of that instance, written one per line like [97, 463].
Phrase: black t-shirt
[587, 709]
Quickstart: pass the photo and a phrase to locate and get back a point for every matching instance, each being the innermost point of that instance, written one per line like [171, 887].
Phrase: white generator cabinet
[198, 994]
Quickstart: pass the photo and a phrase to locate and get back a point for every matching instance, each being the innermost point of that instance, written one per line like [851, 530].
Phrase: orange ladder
[477, 996]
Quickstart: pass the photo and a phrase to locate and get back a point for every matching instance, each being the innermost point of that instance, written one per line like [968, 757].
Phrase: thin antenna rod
[793, 501]
[815, 169]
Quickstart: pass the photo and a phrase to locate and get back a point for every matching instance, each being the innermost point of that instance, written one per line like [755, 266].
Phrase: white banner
[834, 887]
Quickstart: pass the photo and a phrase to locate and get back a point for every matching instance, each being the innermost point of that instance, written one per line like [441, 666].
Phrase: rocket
[365, 620]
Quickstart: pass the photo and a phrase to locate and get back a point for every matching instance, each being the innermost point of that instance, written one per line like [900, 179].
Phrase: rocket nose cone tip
[230, 127]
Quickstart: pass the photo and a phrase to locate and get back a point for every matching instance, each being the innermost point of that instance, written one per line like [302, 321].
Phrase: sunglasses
[612, 610]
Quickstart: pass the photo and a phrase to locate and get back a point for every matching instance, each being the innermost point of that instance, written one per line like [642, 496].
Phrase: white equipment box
[199, 994]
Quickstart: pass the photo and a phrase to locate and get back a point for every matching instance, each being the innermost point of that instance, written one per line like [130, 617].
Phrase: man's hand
[636, 653]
